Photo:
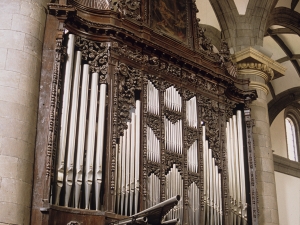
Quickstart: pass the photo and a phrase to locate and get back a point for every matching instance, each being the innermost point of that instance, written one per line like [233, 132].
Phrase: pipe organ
[147, 126]
[237, 185]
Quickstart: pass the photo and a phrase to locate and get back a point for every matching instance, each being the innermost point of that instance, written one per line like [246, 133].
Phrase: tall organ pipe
[127, 166]
[137, 153]
[65, 115]
[81, 132]
[91, 139]
[132, 164]
[72, 128]
[241, 160]
[100, 143]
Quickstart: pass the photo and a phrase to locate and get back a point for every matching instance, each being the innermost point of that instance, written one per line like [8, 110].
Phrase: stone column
[21, 36]
[260, 69]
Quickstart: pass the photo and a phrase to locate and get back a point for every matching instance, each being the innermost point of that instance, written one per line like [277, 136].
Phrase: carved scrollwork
[154, 80]
[187, 94]
[154, 124]
[128, 8]
[193, 177]
[174, 70]
[153, 167]
[173, 158]
[225, 59]
[210, 116]
[130, 79]
[191, 136]
[96, 54]
[171, 115]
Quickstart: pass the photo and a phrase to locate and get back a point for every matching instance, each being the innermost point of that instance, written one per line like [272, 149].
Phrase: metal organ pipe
[152, 99]
[72, 128]
[65, 115]
[173, 136]
[100, 144]
[81, 133]
[128, 165]
[89, 166]
[236, 171]
[137, 154]
[77, 133]
[212, 186]
[174, 177]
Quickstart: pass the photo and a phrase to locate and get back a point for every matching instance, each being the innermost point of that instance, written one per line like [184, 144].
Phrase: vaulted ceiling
[274, 26]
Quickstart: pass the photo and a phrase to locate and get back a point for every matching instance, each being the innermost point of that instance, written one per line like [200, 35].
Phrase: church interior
[151, 112]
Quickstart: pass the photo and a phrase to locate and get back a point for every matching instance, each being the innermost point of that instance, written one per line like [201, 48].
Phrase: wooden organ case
[149, 123]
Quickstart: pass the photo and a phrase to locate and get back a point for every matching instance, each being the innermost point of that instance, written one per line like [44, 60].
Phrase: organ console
[146, 133]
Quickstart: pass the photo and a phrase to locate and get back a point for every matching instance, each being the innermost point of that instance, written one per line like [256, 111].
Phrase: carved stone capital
[258, 69]
[259, 74]
[250, 58]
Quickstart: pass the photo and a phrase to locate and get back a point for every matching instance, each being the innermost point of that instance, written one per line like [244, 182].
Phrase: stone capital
[252, 59]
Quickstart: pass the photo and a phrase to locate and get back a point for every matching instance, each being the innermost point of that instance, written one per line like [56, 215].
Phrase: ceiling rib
[286, 58]
[286, 50]
[279, 31]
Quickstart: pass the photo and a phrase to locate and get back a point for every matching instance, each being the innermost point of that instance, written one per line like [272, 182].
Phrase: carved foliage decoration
[95, 54]
[210, 116]
[130, 79]
[171, 115]
[128, 8]
[164, 67]
[223, 57]
[154, 124]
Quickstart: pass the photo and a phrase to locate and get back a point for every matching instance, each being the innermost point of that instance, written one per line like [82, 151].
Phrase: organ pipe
[236, 171]
[173, 136]
[72, 128]
[65, 115]
[100, 144]
[137, 154]
[81, 133]
[128, 165]
[174, 177]
[89, 166]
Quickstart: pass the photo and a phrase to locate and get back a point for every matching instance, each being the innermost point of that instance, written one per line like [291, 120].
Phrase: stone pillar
[260, 69]
[21, 36]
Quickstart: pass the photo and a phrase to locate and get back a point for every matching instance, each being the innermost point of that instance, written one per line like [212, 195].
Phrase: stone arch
[282, 101]
[285, 17]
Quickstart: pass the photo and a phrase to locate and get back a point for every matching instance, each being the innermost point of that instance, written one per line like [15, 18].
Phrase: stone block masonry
[21, 37]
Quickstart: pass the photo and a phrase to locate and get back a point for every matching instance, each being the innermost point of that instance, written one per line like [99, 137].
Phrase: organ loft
[148, 123]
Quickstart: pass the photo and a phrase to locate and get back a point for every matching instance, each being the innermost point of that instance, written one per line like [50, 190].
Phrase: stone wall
[21, 36]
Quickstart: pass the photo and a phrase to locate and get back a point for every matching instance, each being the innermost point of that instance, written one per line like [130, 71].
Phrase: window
[292, 118]
[291, 139]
